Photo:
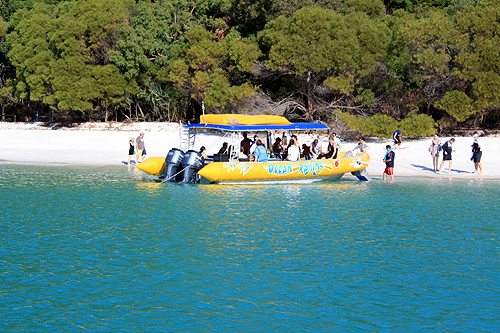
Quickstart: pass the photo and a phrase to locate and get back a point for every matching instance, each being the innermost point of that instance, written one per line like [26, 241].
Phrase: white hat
[476, 135]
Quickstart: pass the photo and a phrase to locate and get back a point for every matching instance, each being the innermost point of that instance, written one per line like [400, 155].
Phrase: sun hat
[476, 135]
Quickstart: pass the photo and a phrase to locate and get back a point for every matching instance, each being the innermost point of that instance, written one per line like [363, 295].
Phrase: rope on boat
[167, 179]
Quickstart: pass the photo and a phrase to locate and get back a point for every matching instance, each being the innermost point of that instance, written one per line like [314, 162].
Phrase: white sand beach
[107, 144]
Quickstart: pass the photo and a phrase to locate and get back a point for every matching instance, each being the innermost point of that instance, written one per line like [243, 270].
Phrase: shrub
[383, 126]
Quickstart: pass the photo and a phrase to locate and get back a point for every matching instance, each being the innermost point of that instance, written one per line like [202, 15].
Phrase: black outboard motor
[192, 162]
[174, 163]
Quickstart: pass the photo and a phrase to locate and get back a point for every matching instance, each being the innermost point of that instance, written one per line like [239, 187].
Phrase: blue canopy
[265, 127]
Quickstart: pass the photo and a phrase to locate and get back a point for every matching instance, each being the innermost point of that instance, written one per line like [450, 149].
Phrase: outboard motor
[174, 163]
[192, 162]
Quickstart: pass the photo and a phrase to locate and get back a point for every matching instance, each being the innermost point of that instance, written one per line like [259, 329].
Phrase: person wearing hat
[476, 155]
[140, 148]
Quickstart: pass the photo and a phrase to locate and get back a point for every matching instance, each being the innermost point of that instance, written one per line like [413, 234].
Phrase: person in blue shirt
[396, 137]
[389, 163]
[260, 152]
[447, 150]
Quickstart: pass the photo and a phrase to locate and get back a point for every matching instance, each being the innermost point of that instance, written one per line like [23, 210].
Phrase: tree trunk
[309, 93]
[139, 107]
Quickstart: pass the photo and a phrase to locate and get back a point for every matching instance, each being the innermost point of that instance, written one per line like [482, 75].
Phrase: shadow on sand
[425, 168]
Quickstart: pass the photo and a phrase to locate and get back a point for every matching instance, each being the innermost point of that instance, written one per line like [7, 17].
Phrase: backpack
[440, 146]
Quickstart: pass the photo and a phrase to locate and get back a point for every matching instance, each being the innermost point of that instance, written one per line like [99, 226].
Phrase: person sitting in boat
[315, 149]
[361, 146]
[278, 148]
[332, 149]
[224, 149]
[232, 152]
[306, 152]
[294, 137]
[293, 151]
[242, 156]
[253, 145]
[246, 143]
[202, 152]
[260, 152]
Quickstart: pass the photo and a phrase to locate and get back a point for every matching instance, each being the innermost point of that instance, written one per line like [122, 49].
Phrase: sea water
[110, 249]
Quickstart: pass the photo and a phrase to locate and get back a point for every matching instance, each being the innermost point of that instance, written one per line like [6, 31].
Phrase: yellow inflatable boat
[188, 165]
[283, 171]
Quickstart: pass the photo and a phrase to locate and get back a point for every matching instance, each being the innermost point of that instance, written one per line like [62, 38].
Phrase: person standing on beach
[447, 150]
[131, 149]
[434, 150]
[396, 137]
[140, 148]
[476, 155]
[389, 163]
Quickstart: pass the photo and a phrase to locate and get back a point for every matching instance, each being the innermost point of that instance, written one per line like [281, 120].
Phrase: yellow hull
[227, 172]
[153, 165]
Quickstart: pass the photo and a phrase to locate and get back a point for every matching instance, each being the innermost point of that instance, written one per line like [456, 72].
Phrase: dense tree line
[367, 65]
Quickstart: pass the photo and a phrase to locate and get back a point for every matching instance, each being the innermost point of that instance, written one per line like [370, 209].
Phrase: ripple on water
[100, 248]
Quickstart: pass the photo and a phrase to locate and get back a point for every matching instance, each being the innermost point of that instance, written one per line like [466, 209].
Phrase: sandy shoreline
[107, 144]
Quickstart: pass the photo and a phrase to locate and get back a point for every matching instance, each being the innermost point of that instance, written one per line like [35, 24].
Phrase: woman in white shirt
[293, 151]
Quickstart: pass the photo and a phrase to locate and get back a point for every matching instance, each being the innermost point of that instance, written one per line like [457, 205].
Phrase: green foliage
[418, 125]
[383, 126]
[317, 39]
[3, 27]
[325, 46]
[373, 8]
[378, 125]
[95, 56]
[366, 96]
[203, 67]
[61, 54]
[480, 61]
[457, 104]
[433, 41]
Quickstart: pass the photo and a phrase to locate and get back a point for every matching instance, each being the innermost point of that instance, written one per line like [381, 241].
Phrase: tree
[480, 61]
[319, 44]
[433, 42]
[209, 67]
[146, 44]
[61, 54]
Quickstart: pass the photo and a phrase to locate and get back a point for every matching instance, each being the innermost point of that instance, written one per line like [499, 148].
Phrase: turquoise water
[107, 249]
